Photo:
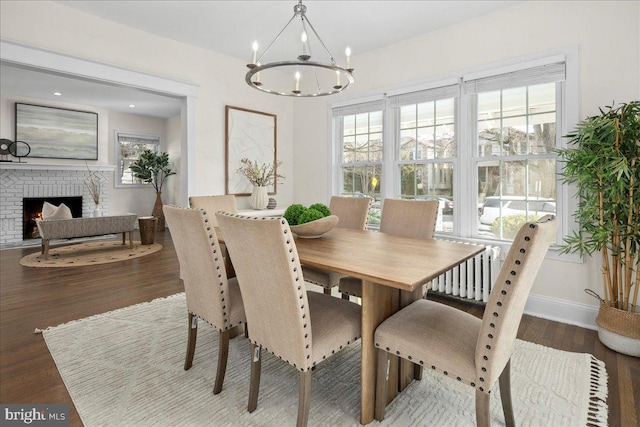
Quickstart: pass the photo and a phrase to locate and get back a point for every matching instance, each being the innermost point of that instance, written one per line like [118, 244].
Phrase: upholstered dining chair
[301, 328]
[210, 295]
[474, 351]
[213, 204]
[352, 212]
[405, 218]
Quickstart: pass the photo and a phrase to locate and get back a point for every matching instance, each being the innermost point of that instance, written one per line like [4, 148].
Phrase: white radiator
[472, 279]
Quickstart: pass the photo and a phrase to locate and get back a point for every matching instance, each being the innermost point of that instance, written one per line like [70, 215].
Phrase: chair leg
[345, 296]
[304, 400]
[382, 381]
[254, 385]
[505, 395]
[223, 354]
[483, 418]
[327, 291]
[417, 372]
[191, 342]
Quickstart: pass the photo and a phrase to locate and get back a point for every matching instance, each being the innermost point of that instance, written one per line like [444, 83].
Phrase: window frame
[118, 163]
[465, 166]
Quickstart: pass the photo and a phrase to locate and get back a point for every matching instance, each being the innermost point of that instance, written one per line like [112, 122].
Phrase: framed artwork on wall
[57, 133]
[249, 134]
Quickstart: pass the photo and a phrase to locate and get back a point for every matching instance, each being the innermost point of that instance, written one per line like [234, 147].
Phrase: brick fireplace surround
[20, 180]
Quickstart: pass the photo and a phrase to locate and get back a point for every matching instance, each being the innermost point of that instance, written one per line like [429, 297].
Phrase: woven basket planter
[618, 329]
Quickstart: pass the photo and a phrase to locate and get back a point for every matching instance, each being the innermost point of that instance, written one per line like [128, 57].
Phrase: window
[359, 132]
[128, 149]
[491, 171]
[424, 128]
[515, 139]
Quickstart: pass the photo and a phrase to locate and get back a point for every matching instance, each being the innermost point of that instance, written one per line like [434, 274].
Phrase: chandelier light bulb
[297, 89]
[254, 46]
[347, 52]
[303, 37]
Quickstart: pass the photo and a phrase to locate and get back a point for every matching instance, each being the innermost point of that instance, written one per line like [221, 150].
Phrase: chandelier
[309, 77]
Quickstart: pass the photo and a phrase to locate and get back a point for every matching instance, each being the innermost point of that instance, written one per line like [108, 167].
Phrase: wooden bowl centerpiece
[311, 222]
[315, 229]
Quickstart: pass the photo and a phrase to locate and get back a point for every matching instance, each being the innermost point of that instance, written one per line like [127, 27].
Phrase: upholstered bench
[85, 227]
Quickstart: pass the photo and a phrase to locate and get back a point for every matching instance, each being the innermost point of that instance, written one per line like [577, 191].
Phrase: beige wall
[220, 78]
[607, 35]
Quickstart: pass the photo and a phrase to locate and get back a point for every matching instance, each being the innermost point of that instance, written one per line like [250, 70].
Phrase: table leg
[378, 303]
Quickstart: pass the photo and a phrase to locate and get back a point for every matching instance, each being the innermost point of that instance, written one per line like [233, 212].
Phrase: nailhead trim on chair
[421, 362]
[308, 343]
[300, 294]
[485, 357]
[499, 303]
[221, 283]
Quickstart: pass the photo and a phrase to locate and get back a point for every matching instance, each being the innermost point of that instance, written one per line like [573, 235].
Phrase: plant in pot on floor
[154, 168]
[261, 177]
[604, 163]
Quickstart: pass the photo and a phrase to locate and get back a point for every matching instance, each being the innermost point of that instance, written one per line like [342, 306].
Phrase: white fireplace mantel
[59, 167]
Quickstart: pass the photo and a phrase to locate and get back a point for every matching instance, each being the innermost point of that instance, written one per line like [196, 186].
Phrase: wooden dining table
[393, 271]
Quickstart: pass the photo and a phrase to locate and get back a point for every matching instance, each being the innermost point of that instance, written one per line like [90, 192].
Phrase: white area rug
[125, 368]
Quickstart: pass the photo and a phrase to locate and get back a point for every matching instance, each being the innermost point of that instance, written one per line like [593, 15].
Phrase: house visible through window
[491, 172]
[128, 149]
[425, 128]
[359, 131]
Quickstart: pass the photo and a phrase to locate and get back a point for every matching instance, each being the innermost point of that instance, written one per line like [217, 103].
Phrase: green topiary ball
[293, 212]
[309, 215]
[322, 208]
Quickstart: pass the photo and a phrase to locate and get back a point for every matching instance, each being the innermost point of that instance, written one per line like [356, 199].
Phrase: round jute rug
[90, 253]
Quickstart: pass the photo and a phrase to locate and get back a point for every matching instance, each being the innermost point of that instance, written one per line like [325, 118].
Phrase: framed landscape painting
[57, 133]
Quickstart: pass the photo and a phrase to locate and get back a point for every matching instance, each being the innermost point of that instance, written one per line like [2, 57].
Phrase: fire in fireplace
[32, 209]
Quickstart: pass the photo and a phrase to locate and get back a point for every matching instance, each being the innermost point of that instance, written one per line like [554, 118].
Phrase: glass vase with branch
[93, 182]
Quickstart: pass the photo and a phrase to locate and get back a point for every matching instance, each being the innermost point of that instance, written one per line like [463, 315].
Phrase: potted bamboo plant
[604, 163]
[154, 168]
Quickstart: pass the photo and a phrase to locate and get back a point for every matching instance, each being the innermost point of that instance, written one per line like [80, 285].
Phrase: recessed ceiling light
[132, 106]
[57, 93]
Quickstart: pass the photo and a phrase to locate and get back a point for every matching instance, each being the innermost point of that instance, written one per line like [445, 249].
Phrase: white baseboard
[564, 311]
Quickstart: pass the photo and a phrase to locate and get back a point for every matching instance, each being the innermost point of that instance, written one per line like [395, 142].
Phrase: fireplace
[32, 209]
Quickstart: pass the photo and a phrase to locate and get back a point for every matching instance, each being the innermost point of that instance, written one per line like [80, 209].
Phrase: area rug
[126, 368]
[90, 253]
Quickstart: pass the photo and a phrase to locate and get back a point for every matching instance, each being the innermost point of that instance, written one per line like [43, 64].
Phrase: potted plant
[154, 168]
[604, 163]
[260, 176]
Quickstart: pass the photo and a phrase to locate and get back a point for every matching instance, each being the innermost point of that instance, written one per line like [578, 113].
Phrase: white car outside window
[515, 205]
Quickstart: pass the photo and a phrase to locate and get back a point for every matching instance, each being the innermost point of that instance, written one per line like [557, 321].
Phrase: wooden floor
[33, 298]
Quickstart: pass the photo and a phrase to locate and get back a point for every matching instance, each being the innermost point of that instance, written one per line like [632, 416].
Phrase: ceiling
[230, 27]
[30, 83]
